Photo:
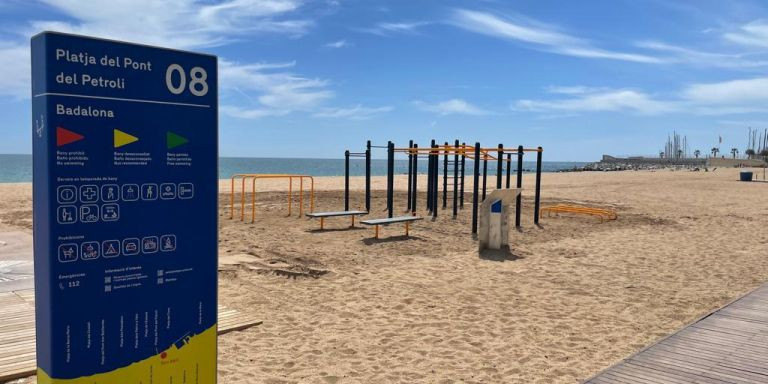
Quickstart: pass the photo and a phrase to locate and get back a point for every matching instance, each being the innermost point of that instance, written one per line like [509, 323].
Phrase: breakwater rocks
[610, 163]
[608, 167]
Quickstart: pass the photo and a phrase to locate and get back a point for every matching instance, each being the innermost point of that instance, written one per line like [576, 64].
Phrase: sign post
[125, 212]
[494, 222]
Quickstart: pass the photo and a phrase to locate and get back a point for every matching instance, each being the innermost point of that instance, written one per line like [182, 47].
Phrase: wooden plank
[651, 374]
[622, 379]
[625, 377]
[729, 345]
[704, 350]
[707, 335]
[722, 364]
[336, 214]
[392, 220]
[701, 372]
[674, 372]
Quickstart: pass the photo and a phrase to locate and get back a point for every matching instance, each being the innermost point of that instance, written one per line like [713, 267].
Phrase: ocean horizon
[15, 168]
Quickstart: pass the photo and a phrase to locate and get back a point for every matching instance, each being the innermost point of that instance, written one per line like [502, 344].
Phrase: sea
[18, 168]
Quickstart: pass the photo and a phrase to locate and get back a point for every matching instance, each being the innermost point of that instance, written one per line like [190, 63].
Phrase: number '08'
[197, 80]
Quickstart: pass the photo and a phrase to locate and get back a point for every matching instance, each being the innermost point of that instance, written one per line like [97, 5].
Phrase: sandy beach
[575, 296]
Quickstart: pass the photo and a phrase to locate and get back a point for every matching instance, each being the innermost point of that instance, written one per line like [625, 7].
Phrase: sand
[574, 296]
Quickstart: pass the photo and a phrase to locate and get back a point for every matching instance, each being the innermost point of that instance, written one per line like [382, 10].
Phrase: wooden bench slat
[336, 214]
[391, 220]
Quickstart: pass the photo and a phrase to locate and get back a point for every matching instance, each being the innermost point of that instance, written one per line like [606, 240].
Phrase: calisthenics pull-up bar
[253, 177]
[456, 154]
[367, 156]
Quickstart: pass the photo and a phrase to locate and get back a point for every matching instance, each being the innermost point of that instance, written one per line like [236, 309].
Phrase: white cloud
[677, 54]
[614, 100]
[173, 23]
[742, 92]
[176, 23]
[572, 90]
[542, 36]
[451, 107]
[722, 98]
[386, 28]
[276, 93]
[258, 89]
[249, 113]
[339, 44]
[752, 34]
[357, 112]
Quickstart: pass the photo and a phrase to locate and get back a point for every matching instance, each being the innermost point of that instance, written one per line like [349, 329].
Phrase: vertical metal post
[390, 178]
[463, 163]
[445, 175]
[456, 179]
[435, 173]
[485, 173]
[475, 187]
[346, 180]
[509, 168]
[537, 198]
[430, 176]
[519, 201]
[410, 170]
[429, 181]
[415, 189]
[499, 165]
[368, 176]
[368, 179]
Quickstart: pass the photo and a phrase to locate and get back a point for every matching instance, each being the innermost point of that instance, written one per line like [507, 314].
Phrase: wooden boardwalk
[17, 332]
[729, 345]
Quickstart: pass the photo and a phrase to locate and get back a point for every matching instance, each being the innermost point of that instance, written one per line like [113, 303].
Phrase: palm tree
[734, 152]
[715, 150]
[679, 153]
[750, 153]
[697, 153]
[661, 155]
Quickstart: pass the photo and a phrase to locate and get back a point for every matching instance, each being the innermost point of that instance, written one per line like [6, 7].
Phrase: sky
[312, 79]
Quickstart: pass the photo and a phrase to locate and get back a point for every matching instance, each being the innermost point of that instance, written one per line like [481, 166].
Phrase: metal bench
[391, 220]
[323, 215]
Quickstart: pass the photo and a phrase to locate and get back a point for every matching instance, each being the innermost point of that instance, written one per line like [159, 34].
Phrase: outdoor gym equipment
[454, 159]
[391, 220]
[602, 214]
[253, 177]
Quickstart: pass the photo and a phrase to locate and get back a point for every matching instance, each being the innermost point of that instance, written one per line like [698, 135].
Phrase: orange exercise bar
[290, 192]
[253, 176]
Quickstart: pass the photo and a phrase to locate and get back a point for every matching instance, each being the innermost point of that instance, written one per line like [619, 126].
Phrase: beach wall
[652, 161]
[726, 162]
[709, 162]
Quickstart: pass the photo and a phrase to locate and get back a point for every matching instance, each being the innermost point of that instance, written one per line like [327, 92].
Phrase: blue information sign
[125, 211]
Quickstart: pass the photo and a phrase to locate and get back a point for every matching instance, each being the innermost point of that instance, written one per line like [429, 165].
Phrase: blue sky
[311, 79]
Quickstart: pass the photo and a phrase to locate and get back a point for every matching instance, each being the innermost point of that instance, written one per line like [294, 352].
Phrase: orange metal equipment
[602, 214]
[253, 177]
[463, 150]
